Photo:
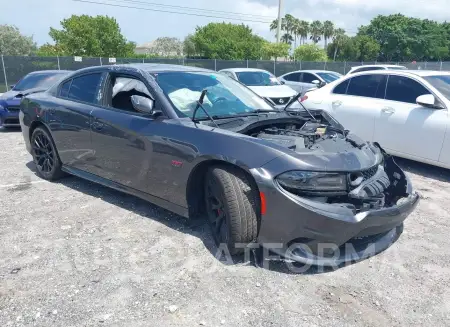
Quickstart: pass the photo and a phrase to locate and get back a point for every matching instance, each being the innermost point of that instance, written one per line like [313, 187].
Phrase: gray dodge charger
[201, 144]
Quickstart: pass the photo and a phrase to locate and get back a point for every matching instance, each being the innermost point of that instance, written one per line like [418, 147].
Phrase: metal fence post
[4, 74]
[59, 67]
[345, 67]
[440, 66]
[143, 60]
[274, 67]
[425, 65]
[182, 62]
[300, 65]
[215, 64]
[101, 64]
[247, 63]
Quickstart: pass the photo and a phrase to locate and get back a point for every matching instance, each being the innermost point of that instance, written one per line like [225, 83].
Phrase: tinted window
[308, 78]
[294, 77]
[84, 88]
[370, 86]
[365, 69]
[440, 82]
[329, 77]
[257, 78]
[341, 88]
[64, 91]
[44, 80]
[404, 89]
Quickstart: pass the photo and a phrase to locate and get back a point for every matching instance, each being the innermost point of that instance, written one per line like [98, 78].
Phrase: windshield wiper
[200, 105]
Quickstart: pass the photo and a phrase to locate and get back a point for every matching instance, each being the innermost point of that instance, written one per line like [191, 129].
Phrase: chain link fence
[13, 68]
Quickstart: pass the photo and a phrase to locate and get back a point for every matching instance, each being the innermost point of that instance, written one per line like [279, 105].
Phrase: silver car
[303, 80]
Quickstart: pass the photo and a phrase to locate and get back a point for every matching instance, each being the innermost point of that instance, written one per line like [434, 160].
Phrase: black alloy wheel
[45, 156]
[216, 212]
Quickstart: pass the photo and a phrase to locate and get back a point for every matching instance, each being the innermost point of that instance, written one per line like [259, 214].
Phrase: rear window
[44, 80]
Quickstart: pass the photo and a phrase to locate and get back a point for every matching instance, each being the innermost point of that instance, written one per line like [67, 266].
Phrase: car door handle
[336, 103]
[388, 110]
[97, 125]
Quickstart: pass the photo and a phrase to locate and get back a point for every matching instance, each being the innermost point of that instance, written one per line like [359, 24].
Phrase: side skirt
[182, 211]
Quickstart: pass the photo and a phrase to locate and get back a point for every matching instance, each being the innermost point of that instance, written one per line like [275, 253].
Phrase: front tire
[45, 156]
[232, 207]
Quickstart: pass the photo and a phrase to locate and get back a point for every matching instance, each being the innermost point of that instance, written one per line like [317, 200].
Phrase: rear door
[405, 128]
[306, 81]
[293, 80]
[356, 102]
[69, 120]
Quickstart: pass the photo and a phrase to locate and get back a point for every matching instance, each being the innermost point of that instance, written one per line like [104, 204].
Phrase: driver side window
[121, 89]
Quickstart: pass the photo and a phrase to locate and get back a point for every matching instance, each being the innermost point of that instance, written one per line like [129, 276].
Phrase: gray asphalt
[73, 253]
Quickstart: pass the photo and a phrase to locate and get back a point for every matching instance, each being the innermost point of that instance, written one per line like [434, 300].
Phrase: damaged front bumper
[304, 230]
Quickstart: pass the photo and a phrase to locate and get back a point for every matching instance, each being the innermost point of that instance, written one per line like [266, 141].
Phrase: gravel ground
[74, 253]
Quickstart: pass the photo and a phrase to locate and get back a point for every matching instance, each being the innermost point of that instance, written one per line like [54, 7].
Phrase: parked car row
[199, 143]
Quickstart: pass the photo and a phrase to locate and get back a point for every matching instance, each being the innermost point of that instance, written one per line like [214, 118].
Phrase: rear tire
[232, 207]
[45, 155]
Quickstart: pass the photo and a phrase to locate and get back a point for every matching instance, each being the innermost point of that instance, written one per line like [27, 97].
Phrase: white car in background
[405, 111]
[366, 68]
[263, 83]
[304, 80]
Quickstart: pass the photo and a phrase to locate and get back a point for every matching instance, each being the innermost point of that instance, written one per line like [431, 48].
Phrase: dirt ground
[73, 253]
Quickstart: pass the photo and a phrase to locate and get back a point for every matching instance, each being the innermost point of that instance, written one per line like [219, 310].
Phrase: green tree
[168, 47]
[366, 48]
[13, 43]
[404, 38]
[310, 52]
[189, 46]
[316, 31]
[287, 38]
[98, 36]
[50, 50]
[275, 50]
[227, 41]
[303, 30]
[328, 31]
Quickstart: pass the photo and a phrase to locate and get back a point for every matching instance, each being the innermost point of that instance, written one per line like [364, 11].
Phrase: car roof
[240, 70]
[147, 67]
[312, 71]
[378, 65]
[406, 72]
[55, 71]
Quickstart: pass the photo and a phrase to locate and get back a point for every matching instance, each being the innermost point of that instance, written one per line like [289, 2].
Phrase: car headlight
[313, 181]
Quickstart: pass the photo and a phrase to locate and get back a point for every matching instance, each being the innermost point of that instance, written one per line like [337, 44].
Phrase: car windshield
[329, 77]
[441, 83]
[224, 97]
[257, 78]
[44, 80]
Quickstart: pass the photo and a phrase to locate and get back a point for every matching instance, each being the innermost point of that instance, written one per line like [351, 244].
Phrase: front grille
[13, 108]
[280, 101]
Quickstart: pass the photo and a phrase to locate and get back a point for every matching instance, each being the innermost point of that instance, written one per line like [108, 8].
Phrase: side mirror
[282, 82]
[429, 101]
[142, 104]
[316, 82]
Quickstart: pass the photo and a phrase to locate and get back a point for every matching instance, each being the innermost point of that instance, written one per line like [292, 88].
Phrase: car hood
[273, 91]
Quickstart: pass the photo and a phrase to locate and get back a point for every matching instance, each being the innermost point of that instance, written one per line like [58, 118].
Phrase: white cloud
[141, 26]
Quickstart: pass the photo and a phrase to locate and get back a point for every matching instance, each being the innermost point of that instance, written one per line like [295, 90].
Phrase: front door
[403, 127]
[123, 153]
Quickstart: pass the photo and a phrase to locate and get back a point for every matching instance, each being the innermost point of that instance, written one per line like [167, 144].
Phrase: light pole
[280, 9]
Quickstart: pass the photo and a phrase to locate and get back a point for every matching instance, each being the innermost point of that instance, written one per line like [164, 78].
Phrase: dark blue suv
[10, 101]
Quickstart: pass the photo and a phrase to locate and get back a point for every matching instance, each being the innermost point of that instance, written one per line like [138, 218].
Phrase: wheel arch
[196, 180]
[35, 124]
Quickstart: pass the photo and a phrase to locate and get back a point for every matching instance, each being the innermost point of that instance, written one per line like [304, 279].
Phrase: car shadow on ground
[425, 170]
[195, 227]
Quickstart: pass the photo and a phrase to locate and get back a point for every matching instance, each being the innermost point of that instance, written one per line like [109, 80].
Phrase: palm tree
[287, 38]
[338, 37]
[303, 30]
[274, 25]
[289, 25]
[328, 31]
[316, 31]
[296, 31]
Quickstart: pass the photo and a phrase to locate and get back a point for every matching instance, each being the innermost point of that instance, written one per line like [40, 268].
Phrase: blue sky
[35, 17]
